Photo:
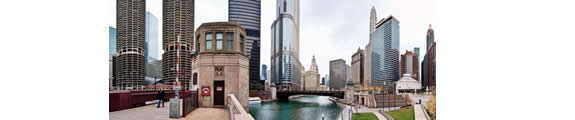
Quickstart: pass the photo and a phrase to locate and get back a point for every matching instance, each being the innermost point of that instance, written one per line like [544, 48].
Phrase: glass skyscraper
[247, 13]
[152, 42]
[385, 51]
[112, 41]
[285, 64]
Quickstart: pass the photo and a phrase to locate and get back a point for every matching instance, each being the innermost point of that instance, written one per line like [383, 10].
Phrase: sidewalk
[148, 112]
[419, 112]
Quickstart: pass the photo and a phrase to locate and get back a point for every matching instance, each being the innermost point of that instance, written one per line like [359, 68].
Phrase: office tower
[112, 56]
[264, 72]
[130, 43]
[285, 64]
[247, 13]
[112, 40]
[372, 19]
[357, 67]
[416, 50]
[410, 65]
[152, 41]
[428, 65]
[221, 63]
[337, 74]
[385, 52]
[178, 29]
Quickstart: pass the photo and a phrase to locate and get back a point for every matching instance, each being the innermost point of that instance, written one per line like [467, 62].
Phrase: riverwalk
[420, 112]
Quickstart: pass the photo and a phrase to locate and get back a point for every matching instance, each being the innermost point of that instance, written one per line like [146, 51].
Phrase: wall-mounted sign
[220, 88]
[205, 91]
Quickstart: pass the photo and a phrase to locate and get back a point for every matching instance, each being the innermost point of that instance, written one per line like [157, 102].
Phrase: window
[230, 39]
[219, 41]
[209, 41]
[219, 70]
[241, 43]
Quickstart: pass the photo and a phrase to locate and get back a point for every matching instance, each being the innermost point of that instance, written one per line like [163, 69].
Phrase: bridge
[284, 94]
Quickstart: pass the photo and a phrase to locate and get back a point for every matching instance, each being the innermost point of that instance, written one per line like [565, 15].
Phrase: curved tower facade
[247, 13]
[130, 43]
[178, 23]
[285, 64]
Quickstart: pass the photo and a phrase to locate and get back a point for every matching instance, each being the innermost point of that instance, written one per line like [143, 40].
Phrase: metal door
[219, 93]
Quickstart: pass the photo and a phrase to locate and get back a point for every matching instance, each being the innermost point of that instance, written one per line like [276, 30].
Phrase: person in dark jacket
[160, 98]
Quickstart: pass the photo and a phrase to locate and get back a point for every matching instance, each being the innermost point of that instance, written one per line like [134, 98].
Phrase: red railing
[120, 100]
[190, 102]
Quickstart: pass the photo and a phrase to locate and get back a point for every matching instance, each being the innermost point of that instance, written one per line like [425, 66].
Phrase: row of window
[219, 41]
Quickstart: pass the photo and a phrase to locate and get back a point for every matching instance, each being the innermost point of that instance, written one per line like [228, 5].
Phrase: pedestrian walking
[160, 98]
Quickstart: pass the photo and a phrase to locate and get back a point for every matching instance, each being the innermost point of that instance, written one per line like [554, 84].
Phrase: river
[300, 108]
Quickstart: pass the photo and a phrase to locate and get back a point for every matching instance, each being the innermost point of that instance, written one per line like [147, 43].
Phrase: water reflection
[300, 108]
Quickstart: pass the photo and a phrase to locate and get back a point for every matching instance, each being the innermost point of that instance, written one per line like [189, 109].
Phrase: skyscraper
[337, 74]
[178, 25]
[247, 13]
[416, 51]
[152, 42]
[428, 65]
[357, 67]
[112, 58]
[285, 64]
[130, 43]
[410, 65]
[311, 77]
[372, 19]
[385, 52]
[112, 40]
[264, 72]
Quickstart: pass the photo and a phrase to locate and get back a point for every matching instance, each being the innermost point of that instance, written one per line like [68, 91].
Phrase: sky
[329, 29]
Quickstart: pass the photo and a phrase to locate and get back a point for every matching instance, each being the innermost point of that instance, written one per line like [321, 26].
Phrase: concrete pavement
[419, 112]
[148, 112]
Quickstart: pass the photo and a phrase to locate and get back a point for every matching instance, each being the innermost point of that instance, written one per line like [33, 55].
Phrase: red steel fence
[120, 100]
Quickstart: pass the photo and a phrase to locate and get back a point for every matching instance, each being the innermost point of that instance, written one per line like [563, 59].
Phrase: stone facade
[311, 79]
[225, 60]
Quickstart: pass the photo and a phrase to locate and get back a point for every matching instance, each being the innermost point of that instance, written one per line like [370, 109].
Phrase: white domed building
[407, 84]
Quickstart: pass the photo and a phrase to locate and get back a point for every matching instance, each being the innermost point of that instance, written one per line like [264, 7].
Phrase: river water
[300, 108]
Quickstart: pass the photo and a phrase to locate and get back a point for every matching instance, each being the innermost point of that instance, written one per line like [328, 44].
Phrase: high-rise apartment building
[285, 64]
[337, 74]
[130, 43]
[385, 52]
[177, 35]
[247, 13]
